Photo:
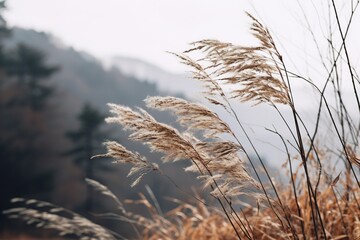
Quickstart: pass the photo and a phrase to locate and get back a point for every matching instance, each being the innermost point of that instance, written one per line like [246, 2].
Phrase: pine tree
[85, 141]
[28, 66]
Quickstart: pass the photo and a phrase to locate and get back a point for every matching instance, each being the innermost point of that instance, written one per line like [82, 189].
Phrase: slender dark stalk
[312, 148]
[345, 226]
[300, 141]
[323, 99]
[247, 221]
[223, 195]
[292, 182]
[182, 190]
[268, 175]
[228, 217]
[343, 38]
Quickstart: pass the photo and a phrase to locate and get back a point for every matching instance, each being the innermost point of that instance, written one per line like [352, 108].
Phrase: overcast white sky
[146, 29]
[139, 28]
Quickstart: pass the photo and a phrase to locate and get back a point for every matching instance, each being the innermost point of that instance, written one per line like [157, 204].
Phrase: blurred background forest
[52, 109]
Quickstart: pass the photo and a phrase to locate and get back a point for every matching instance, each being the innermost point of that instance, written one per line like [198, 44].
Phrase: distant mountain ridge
[166, 81]
[82, 77]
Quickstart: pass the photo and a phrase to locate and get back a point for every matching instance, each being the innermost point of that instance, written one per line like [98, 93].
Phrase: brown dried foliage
[341, 219]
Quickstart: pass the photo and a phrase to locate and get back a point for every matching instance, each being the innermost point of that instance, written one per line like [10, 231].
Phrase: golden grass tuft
[200, 222]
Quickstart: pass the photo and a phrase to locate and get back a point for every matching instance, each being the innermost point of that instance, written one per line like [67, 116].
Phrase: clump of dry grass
[196, 221]
[321, 200]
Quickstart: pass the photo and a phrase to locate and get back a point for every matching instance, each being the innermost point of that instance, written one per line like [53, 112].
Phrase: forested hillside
[45, 151]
